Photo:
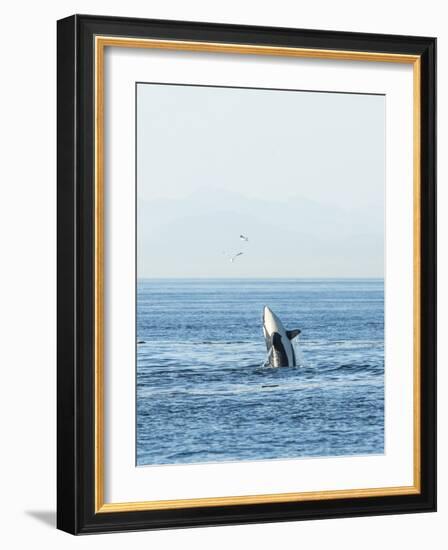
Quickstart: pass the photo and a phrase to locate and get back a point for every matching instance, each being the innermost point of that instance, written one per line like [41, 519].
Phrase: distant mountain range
[298, 237]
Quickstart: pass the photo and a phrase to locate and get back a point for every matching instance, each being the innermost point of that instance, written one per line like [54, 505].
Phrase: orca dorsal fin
[293, 333]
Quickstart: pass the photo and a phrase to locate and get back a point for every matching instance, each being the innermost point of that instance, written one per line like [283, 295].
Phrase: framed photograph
[246, 274]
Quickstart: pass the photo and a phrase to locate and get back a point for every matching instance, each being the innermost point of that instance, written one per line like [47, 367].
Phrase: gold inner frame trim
[101, 42]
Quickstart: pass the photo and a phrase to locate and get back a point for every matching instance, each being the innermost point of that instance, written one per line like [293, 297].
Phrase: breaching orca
[278, 340]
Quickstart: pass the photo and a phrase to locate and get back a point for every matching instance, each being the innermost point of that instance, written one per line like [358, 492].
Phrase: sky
[301, 174]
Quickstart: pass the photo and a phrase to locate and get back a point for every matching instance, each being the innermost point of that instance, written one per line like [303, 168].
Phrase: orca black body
[278, 340]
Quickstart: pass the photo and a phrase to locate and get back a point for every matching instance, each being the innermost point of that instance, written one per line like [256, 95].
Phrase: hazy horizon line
[262, 278]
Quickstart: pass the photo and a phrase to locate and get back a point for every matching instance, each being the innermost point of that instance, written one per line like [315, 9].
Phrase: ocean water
[203, 394]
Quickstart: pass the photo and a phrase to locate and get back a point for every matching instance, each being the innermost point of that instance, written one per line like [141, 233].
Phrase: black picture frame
[76, 511]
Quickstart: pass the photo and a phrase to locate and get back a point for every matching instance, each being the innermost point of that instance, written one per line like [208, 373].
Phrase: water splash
[298, 352]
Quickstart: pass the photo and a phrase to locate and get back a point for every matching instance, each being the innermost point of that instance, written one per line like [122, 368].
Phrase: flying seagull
[232, 259]
[244, 238]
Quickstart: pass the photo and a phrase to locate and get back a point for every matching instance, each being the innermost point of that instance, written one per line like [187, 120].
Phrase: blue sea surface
[203, 394]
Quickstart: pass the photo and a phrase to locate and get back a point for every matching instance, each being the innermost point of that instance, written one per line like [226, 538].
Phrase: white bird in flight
[232, 259]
